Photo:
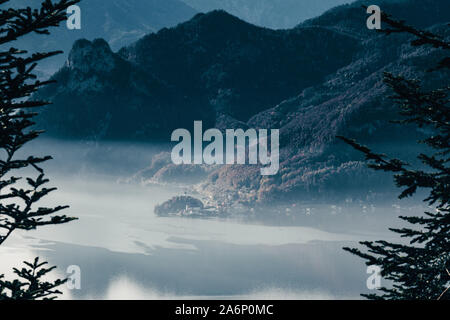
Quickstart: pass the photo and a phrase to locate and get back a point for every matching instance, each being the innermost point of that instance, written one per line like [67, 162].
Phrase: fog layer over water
[125, 251]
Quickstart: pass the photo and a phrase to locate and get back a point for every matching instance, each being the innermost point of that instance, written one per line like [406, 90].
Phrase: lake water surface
[125, 251]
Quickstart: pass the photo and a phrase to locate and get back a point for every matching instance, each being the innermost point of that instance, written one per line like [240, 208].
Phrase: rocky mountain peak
[91, 56]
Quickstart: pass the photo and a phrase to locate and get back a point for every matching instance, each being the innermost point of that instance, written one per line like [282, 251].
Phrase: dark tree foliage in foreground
[18, 200]
[420, 269]
[30, 284]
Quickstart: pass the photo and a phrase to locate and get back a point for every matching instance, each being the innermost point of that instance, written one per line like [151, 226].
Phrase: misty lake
[124, 251]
